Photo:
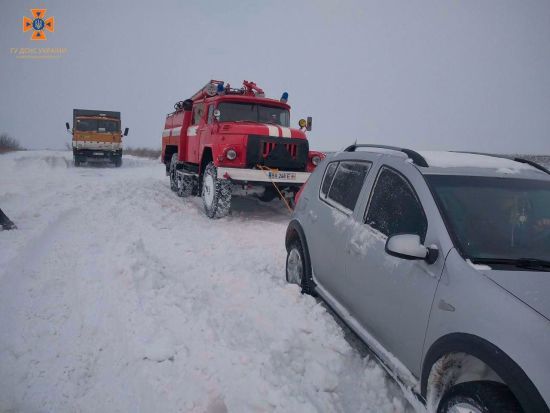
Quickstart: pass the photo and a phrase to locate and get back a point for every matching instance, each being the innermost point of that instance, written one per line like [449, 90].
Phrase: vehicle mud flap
[5, 222]
[172, 173]
[185, 185]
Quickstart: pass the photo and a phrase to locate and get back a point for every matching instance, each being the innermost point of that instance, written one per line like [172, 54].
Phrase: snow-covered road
[118, 296]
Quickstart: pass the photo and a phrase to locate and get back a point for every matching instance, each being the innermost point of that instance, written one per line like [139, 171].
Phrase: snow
[467, 160]
[479, 267]
[116, 295]
[408, 244]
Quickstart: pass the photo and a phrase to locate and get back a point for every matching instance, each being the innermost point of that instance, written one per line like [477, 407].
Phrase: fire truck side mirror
[67, 126]
[309, 123]
[126, 130]
[217, 114]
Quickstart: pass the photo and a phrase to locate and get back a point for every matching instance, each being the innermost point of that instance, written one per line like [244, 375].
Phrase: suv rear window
[327, 180]
[394, 207]
[343, 182]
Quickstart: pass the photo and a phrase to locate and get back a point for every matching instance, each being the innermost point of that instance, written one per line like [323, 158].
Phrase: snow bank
[119, 296]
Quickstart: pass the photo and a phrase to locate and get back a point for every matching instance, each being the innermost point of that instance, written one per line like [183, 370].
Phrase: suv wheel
[296, 269]
[479, 397]
[216, 193]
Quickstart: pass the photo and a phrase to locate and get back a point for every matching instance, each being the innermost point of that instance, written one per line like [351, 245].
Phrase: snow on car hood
[531, 287]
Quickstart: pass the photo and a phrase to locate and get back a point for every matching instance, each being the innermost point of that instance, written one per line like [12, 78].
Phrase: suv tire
[216, 193]
[479, 396]
[297, 271]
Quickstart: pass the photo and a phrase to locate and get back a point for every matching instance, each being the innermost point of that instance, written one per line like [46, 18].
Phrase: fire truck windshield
[97, 125]
[243, 111]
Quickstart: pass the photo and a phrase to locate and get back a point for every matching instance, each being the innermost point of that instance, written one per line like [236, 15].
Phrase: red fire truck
[224, 140]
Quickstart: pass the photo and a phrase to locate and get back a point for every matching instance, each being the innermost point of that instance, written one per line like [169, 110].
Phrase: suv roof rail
[413, 155]
[512, 158]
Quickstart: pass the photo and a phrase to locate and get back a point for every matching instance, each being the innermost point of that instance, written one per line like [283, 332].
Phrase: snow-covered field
[118, 296]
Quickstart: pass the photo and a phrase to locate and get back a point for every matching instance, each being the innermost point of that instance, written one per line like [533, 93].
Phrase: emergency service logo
[39, 24]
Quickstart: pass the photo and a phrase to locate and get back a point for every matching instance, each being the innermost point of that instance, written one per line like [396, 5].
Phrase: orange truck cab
[97, 136]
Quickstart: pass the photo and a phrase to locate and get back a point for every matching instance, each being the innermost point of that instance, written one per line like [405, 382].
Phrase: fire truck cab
[223, 140]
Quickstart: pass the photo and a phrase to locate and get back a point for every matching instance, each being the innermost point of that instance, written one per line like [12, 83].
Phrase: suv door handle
[312, 215]
[355, 248]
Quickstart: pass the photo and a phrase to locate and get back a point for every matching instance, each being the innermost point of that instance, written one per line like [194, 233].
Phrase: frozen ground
[118, 296]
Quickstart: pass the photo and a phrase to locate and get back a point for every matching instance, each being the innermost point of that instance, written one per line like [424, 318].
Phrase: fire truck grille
[282, 153]
[268, 147]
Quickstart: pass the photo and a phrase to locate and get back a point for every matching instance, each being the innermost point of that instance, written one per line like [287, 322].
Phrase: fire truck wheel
[118, 162]
[173, 177]
[76, 162]
[185, 186]
[216, 193]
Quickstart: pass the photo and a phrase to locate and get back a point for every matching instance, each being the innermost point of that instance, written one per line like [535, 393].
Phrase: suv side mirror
[409, 247]
[67, 126]
[126, 131]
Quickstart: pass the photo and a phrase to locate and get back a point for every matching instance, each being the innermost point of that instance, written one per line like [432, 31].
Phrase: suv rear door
[392, 297]
[326, 233]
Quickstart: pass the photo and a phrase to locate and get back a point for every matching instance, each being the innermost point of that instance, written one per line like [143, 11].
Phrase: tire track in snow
[143, 304]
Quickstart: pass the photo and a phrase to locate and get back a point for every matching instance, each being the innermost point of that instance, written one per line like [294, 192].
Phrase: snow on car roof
[470, 160]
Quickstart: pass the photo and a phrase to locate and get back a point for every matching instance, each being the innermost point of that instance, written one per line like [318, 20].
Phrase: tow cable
[265, 168]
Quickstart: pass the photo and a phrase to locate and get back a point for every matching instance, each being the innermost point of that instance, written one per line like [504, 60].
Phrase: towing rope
[265, 168]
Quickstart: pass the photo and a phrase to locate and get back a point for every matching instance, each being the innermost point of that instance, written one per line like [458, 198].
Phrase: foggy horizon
[432, 75]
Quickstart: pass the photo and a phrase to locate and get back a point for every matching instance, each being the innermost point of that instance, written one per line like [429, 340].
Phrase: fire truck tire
[173, 177]
[76, 162]
[185, 186]
[118, 162]
[216, 193]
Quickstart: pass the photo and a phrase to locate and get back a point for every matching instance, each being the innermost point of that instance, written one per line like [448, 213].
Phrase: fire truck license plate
[287, 176]
[98, 153]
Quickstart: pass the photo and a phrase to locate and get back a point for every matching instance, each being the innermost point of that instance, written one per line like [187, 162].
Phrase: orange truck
[97, 136]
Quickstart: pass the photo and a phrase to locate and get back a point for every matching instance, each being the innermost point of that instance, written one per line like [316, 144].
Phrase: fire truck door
[194, 133]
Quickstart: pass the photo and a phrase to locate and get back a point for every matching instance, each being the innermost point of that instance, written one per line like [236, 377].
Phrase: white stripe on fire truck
[176, 131]
[273, 130]
[286, 132]
[192, 131]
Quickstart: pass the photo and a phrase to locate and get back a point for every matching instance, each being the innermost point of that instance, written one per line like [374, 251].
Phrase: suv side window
[394, 207]
[327, 180]
[347, 183]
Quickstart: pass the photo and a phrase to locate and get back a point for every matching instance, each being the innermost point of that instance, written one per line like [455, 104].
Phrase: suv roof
[459, 163]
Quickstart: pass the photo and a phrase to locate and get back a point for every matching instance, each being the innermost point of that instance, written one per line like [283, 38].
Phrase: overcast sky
[434, 74]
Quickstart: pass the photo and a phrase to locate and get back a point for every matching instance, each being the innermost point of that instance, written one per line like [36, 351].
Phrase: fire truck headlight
[231, 154]
[315, 160]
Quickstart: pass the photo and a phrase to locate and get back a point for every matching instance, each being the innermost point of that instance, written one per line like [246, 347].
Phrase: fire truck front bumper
[258, 175]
